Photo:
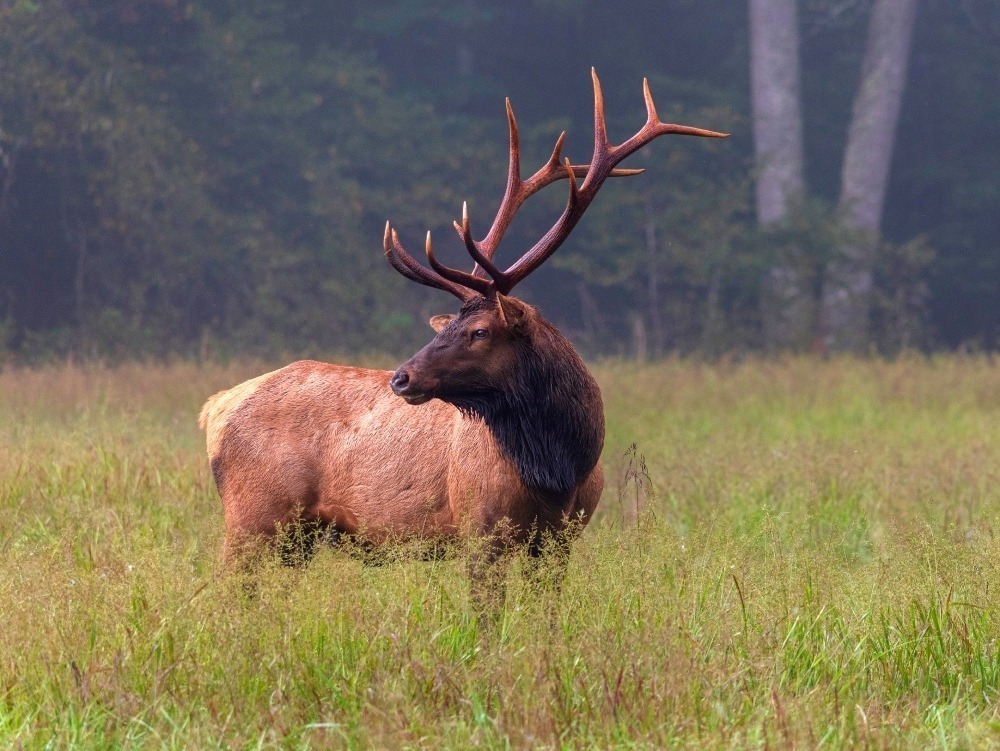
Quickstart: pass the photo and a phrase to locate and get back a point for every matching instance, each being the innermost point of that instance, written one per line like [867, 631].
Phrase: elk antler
[602, 165]
[406, 265]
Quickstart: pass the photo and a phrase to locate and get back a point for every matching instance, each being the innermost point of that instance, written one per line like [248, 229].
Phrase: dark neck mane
[548, 419]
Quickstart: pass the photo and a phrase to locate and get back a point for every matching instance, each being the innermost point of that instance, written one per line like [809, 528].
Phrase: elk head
[472, 354]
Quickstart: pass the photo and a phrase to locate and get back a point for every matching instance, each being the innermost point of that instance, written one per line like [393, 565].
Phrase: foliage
[214, 177]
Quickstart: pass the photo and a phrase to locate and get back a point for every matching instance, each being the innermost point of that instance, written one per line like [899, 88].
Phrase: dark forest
[212, 178]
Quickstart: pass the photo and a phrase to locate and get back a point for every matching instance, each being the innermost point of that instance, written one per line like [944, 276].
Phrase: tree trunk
[714, 341]
[640, 340]
[9, 162]
[653, 282]
[777, 118]
[777, 131]
[848, 280]
[589, 314]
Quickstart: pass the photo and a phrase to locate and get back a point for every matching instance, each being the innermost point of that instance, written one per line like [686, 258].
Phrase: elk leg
[277, 526]
[296, 542]
[242, 548]
[548, 552]
[545, 567]
[488, 563]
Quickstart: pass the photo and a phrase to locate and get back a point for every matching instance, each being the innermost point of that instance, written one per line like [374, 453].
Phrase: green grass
[796, 554]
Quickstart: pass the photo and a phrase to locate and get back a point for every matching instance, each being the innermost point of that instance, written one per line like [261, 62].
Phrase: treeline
[214, 176]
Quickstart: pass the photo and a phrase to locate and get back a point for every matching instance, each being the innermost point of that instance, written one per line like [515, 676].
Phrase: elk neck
[548, 416]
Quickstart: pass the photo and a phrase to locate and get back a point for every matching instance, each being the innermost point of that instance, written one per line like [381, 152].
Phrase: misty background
[213, 178]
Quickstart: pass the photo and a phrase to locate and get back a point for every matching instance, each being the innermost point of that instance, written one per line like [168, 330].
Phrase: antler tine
[573, 192]
[470, 282]
[408, 266]
[518, 190]
[602, 165]
[465, 232]
[512, 198]
[514, 165]
[654, 128]
[508, 206]
[651, 116]
[555, 159]
[601, 144]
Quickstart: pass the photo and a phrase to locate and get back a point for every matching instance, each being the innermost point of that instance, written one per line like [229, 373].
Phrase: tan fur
[323, 442]
[213, 415]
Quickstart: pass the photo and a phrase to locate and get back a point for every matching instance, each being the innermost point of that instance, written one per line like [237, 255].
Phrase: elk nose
[400, 380]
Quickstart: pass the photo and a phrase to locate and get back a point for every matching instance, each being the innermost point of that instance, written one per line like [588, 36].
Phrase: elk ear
[512, 311]
[439, 322]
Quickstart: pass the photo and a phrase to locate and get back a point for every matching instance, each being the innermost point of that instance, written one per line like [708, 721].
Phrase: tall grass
[795, 554]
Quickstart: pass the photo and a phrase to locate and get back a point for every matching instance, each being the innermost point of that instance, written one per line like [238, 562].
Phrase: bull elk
[511, 426]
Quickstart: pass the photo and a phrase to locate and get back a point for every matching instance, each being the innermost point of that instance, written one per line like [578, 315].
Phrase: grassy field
[798, 554]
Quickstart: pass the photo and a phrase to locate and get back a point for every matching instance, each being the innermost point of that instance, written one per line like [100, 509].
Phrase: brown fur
[333, 445]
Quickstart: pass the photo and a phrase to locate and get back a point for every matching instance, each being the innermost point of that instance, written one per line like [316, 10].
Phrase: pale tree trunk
[777, 119]
[777, 130]
[847, 283]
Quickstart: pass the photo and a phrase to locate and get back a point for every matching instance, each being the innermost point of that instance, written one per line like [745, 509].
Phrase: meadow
[788, 554]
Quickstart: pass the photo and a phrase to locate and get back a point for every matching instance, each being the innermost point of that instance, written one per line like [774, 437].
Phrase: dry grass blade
[813, 563]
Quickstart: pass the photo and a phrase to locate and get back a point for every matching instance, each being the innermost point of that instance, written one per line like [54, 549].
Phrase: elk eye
[480, 334]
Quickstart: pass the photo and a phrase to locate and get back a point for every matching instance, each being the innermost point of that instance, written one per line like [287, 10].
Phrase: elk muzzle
[404, 386]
